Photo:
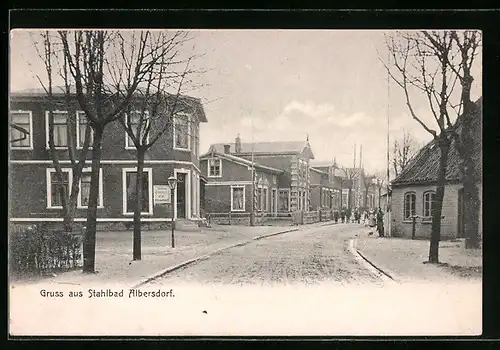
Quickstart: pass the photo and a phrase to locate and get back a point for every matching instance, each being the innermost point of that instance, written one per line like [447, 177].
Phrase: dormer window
[214, 167]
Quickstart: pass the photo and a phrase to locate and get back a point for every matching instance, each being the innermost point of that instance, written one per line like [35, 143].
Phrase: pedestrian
[336, 216]
[342, 216]
[348, 215]
[380, 222]
[371, 219]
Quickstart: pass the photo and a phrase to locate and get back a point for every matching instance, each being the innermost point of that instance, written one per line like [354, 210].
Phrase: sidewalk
[403, 259]
[114, 253]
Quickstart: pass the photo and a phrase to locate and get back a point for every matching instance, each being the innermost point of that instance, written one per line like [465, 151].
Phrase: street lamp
[172, 182]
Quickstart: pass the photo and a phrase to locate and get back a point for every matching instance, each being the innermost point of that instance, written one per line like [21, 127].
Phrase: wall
[28, 193]
[450, 210]
[113, 144]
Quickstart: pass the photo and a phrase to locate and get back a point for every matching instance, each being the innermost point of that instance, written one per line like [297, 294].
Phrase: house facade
[229, 186]
[34, 188]
[325, 187]
[291, 158]
[412, 192]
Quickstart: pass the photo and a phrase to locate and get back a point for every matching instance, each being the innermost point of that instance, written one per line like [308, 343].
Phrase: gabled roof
[318, 171]
[239, 160]
[273, 147]
[424, 166]
[59, 91]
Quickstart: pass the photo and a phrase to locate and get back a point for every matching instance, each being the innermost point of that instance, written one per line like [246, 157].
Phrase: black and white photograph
[245, 182]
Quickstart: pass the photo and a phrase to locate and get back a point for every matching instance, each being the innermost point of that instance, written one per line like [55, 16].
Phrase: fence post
[229, 218]
[319, 214]
[302, 217]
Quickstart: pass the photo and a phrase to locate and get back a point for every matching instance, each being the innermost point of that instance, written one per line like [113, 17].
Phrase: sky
[288, 85]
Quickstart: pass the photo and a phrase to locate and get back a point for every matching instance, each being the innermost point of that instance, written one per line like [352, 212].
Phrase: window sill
[98, 207]
[214, 177]
[21, 148]
[182, 149]
[81, 147]
[132, 214]
[237, 210]
[61, 148]
[129, 148]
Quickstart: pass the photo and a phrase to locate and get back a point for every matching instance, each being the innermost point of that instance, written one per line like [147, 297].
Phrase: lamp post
[172, 182]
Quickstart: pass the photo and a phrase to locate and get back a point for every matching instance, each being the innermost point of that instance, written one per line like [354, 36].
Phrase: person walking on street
[336, 216]
[380, 222]
[342, 216]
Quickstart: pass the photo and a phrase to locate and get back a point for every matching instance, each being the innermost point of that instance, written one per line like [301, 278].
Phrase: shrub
[35, 250]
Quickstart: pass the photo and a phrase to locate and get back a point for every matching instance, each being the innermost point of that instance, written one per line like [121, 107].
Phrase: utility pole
[252, 213]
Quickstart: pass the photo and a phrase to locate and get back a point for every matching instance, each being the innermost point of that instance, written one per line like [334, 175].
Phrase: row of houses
[286, 176]
[286, 179]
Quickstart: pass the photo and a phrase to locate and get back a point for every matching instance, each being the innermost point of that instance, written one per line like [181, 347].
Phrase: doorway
[181, 195]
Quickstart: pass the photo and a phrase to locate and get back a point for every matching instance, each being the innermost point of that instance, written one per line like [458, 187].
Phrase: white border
[30, 147]
[85, 219]
[100, 205]
[78, 146]
[47, 128]
[208, 168]
[124, 190]
[49, 171]
[244, 199]
[188, 149]
[148, 120]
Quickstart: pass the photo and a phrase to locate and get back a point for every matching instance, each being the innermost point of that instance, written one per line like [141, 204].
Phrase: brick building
[289, 161]
[325, 186]
[412, 192]
[34, 190]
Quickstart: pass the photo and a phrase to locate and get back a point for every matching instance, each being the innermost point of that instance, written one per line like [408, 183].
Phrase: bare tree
[468, 44]
[347, 182]
[367, 184]
[154, 109]
[103, 91]
[403, 151]
[56, 66]
[420, 66]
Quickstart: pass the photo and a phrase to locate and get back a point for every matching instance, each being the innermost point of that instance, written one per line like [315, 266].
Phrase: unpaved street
[308, 256]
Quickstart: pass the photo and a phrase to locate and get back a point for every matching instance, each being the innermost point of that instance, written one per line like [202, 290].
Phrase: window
[19, 139]
[60, 128]
[129, 181]
[409, 205]
[283, 200]
[265, 206]
[84, 193]
[181, 132]
[81, 126]
[259, 199]
[428, 204]
[139, 129]
[214, 168]
[237, 198]
[55, 187]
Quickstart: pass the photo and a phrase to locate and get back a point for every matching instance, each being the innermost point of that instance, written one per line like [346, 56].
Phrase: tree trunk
[348, 198]
[471, 191]
[138, 204]
[90, 233]
[444, 146]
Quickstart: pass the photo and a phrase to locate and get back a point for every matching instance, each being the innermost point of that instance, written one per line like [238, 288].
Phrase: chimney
[227, 149]
[237, 144]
